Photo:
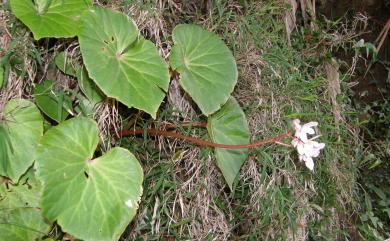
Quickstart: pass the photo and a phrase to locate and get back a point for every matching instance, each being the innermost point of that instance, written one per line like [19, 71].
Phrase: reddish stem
[168, 125]
[197, 141]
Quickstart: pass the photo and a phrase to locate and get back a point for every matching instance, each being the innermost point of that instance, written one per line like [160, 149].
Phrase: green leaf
[208, 71]
[84, 107]
[20, 216]
[42, 5]
[1, 76]
[229, 126]
[54, 18]
[5, 149]
[70, 67]
[123, 67]
[89, 88]
[21, 129]
[66, 65]
[48, 100]
[91, 198]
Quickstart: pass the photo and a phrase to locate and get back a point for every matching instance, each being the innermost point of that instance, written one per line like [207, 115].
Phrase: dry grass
[200, 176]
[17, 84]
[201, 205]
[109, 122]
[185, 196]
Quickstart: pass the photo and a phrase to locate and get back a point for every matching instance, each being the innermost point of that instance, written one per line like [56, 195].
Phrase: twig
[382, 36]
[283, 144]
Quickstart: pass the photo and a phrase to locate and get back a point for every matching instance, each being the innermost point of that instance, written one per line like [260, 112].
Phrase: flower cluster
[307, 148]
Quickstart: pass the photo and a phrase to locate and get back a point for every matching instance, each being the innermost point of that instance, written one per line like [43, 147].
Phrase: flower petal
[317, 148]
[315, 153]
[301, 148]
[308, 127]
[301, 157]
[302, 136]
[294, 142]
[308, 148]
[311, 124]
[308, 130]
[297, 124]
[320, 145]
[309, 163]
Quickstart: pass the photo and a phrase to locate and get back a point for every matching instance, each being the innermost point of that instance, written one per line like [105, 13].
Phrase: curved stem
[200, 142]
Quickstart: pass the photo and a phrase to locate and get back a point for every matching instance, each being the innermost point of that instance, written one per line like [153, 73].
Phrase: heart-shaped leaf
[21, 127]
[123, 67]
[91, 198]
[51, 102]
[51, 18]
[229, 126]
[208, 71]
[20, 216]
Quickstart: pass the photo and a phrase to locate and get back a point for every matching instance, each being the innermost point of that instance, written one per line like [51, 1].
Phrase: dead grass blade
[290, 19]
[333, 78]
[382, 35]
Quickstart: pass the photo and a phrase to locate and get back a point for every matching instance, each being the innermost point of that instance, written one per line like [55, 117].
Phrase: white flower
[301, 131]
[307, 148]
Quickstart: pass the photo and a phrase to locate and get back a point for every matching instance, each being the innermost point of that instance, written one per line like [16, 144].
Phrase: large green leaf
[20, 216]
[20, 131]
[91, 198]
[51, 18]
[208, 71]
[229, 126]
[123, 67]
[52, 103]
